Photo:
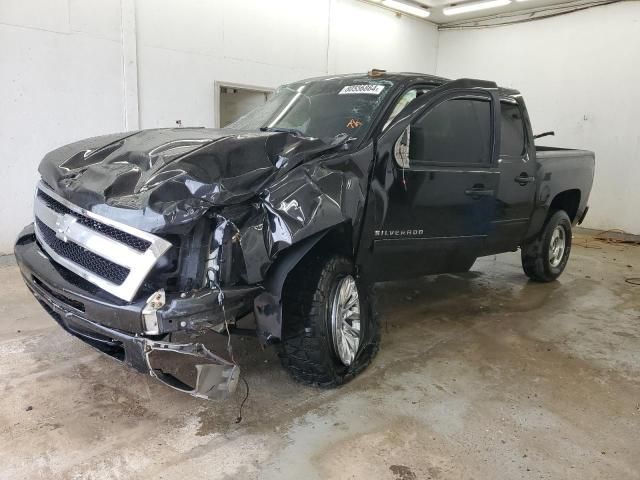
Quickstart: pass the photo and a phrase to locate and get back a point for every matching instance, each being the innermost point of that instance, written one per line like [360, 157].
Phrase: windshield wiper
[282, 129]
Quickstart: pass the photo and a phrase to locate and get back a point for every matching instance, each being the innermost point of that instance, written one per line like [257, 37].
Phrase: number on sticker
[356, 89]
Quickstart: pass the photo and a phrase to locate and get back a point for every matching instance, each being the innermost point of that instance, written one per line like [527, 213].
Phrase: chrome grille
[111, 255]
[124, 237]
[100, 266]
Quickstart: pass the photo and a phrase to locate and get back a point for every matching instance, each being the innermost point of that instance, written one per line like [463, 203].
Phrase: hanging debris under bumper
[188, 367]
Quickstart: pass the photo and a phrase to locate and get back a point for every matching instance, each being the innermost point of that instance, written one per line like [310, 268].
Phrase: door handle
[477, 192]
[524, 179]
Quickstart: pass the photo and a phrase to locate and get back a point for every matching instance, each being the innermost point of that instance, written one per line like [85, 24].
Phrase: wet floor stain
[480, 375]
[402, 472]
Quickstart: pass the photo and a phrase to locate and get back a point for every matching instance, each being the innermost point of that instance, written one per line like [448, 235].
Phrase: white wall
[184, 46]
[372, 37]
[65, 73]
[580, 76]
[61, 80]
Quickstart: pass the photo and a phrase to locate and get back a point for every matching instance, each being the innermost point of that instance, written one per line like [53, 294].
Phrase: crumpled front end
[184, 231]
[161, 181]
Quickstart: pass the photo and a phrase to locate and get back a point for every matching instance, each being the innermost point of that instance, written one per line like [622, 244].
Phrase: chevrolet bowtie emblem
[63, 224]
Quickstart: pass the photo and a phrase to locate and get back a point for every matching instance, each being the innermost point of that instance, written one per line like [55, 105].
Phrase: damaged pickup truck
[145, 242]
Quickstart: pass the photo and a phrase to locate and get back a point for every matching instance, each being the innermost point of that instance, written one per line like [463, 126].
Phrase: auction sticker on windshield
[356, 89]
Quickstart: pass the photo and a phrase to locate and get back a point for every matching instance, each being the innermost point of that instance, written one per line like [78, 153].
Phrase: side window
[454, 131]
[512, 130]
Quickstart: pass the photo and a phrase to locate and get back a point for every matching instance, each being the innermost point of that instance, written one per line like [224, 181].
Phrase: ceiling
[524, 7]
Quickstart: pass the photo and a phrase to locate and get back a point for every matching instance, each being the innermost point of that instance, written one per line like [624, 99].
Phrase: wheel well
[569, 201]
[338, 240]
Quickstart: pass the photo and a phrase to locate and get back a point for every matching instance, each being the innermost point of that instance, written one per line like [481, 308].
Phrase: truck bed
[563, 169]
[543, 152]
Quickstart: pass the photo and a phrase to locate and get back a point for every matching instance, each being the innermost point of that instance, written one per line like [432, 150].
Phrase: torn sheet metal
[161, 180]
[308, 200]
[191, 368]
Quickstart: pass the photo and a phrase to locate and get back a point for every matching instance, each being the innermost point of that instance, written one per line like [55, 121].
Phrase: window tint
[512, 130]
[455, 131]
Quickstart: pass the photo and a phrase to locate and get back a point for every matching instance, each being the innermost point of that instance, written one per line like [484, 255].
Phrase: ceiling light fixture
[407, 8]
[474, 6]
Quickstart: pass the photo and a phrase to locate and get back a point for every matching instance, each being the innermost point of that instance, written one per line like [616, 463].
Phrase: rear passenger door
[441, 198]
[516, 192]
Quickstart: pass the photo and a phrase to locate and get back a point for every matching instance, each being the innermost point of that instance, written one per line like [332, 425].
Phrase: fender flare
[267, 307]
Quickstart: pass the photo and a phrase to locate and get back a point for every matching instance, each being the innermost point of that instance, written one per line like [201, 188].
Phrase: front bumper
[115, 327]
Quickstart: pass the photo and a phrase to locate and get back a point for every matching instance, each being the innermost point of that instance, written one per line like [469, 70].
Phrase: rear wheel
[545, 257]
[330, 331]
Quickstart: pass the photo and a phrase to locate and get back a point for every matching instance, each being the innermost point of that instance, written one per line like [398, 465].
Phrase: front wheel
[330, 330]
[545, 257]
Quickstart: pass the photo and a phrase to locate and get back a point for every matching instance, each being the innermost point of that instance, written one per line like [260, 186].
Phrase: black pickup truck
[144, 241]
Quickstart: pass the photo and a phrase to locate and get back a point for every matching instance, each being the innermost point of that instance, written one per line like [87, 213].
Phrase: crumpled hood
[158, 180]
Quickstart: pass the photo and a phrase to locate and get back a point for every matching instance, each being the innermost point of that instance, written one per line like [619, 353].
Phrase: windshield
[320, 108]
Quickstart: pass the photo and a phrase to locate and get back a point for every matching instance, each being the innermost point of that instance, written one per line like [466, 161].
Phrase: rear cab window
[512, 134]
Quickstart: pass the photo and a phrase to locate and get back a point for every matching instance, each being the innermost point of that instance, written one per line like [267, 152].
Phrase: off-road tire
[306, 349]
[535, 253]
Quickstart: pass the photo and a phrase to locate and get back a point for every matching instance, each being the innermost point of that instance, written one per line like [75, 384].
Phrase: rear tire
[545, 257]
[309, 349]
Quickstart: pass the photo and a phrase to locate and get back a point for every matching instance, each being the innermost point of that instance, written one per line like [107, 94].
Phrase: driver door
[434, 187]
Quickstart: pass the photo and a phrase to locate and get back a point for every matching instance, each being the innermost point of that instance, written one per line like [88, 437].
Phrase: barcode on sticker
[355, 89]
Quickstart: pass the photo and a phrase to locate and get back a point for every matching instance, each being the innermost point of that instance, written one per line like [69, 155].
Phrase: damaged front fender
[295, 212]
[268, 305]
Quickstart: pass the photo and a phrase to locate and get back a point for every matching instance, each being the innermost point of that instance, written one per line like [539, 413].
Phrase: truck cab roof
[402, 80]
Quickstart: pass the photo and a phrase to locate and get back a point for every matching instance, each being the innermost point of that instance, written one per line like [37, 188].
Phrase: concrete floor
[482, 375]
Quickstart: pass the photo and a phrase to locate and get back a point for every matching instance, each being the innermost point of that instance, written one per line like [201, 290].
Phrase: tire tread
[306, 350]
[533, 254]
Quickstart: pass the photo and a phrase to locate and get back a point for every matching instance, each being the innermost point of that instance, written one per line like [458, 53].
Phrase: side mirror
[401, 148]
